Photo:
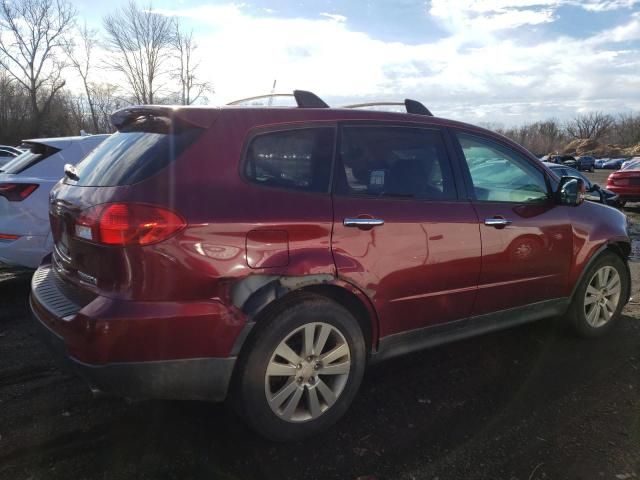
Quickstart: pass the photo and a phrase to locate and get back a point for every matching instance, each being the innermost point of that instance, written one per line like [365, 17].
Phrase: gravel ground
[527, 403]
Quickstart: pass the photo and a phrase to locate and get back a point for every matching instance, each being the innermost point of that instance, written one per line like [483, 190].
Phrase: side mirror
[571, 191]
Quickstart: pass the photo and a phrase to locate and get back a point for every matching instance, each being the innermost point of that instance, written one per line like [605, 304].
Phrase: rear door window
[135, 153]
[298, 159]
[396, 161]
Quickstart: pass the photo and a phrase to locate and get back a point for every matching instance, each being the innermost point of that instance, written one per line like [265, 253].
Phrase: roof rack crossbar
[304, 99]
[411, 106]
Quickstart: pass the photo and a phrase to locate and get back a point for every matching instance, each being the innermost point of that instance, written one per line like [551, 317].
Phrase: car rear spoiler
[194, 116]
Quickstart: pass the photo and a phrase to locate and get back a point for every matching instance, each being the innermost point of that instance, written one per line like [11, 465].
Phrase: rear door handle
[362, 222]
[497, 222]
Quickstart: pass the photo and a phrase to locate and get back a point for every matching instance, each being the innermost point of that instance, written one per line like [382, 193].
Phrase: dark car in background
[568, 160]
[613, 163]
[594, 191]
[586, 162]
[269, 255]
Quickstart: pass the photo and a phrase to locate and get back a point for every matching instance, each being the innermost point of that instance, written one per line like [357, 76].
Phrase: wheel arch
[619, 248]
[261, 296]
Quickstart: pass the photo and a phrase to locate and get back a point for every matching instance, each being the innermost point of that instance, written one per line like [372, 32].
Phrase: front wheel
[302, 369]
[600, 297]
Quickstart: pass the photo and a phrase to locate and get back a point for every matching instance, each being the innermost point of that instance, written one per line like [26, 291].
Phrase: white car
[6, 156]
[25, 183]
[631, 163]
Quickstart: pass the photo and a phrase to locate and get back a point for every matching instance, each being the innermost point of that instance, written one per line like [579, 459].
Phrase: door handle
[362, 222]
[497, 222]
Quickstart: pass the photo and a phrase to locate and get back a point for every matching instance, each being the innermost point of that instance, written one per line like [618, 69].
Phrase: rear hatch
[112, 211]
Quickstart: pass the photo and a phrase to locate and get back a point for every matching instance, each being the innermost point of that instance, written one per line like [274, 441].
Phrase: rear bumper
[134, 355]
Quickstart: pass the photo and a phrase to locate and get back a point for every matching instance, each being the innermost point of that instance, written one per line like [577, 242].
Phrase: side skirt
[421, 338]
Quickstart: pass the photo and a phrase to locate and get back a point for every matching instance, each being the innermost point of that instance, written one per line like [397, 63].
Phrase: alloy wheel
[307, 372]
[602, 296]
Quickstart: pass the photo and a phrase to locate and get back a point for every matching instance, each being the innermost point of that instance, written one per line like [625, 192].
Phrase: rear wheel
[599, 299]
[302, 369]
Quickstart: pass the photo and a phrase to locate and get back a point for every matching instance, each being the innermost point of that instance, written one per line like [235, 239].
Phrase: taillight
[16, 192]
[8, 236]
[127, 224]
[620, 182]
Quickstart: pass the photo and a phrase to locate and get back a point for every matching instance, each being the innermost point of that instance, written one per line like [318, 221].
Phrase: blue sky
[504, 61]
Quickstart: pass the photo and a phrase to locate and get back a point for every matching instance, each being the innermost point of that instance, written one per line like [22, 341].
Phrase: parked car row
[269, 255]
[587, 162]
[578, 163]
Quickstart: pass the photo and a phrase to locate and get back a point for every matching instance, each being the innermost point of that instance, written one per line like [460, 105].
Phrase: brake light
[16, 192]
[127, 224]
[620, 182]
[8, 236]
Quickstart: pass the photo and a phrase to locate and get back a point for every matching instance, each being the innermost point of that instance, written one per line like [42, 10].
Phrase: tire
[598, 317]
[263, 374]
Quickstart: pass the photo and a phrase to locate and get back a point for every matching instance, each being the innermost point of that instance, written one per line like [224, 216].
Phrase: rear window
[36, 153]
[135, 153]
[297, 159]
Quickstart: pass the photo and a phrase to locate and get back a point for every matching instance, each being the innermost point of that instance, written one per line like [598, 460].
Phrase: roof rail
[411, 106]
[303, 99]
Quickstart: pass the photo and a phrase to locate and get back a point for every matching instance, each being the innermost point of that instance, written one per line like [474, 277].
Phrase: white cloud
[334, 16]
[605, 5]
[478, 72]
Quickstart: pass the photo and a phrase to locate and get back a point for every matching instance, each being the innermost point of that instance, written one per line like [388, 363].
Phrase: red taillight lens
[8, 236]
[127, 224]
[16, 192]
[618, 181]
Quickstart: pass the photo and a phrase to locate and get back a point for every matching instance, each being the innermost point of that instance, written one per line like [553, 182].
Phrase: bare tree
[31, 35]
[626, 130]
[106, 100]
[191, 89]
[79, 50]
[591, 125]
[139, 41]
[14, 109]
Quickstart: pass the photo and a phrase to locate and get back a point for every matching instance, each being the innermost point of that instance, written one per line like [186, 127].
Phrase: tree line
[552, 136]
[43, 41]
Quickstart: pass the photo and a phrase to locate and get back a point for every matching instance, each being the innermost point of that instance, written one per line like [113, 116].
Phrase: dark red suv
[270, 254]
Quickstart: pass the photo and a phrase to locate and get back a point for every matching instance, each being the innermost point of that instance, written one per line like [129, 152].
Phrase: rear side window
[396, 161]
[135, 153]
[297, 159]
[37, 152]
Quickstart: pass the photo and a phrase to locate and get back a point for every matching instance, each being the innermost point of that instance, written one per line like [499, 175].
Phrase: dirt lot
[528, 403]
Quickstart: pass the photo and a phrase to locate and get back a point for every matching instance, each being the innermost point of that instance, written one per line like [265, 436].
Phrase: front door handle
[362, 222]
[497, 222]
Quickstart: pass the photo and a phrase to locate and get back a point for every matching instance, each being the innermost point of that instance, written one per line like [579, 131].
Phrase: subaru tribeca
[269, 255]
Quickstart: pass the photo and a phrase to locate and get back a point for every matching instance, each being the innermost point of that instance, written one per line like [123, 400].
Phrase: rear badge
[83, 232]
[87, 278]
